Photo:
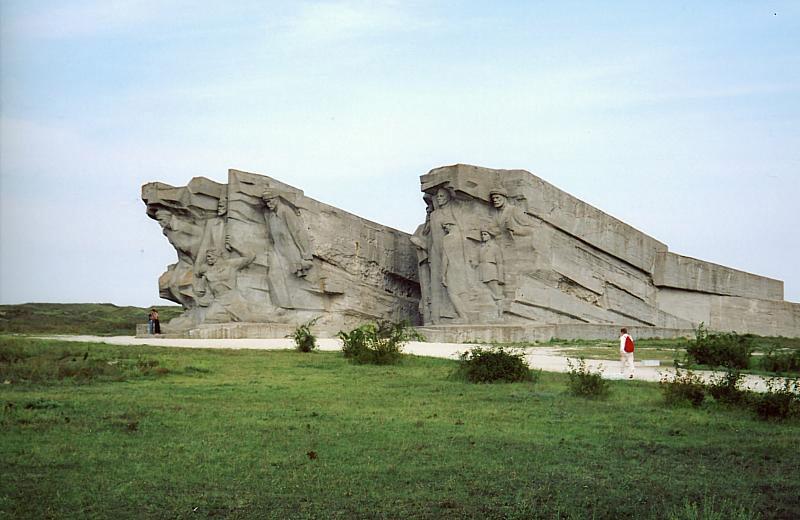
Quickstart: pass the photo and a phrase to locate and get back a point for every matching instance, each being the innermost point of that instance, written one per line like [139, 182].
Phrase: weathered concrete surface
[501, 256]
[555, 260]
[682, 272]
[522, 333]
[259, 251]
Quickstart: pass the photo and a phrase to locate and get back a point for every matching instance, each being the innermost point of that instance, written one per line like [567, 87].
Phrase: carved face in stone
[164, 218]
[272, 204]
[442, 197]
[222, 206]
[485, 236]
[212, 256]
[498, 200]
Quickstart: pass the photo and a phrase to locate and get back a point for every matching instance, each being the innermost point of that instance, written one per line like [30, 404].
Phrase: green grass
[282, 434]
[78, 318]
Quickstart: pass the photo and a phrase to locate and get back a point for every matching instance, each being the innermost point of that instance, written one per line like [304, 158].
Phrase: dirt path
[545, 358]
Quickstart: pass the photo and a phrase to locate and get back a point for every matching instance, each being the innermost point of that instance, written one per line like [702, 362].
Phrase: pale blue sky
[680, 118]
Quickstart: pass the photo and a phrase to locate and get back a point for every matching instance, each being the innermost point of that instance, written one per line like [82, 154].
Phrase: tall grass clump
[494, 365]
[585, 383]
[377, 343]
[723, 349]
[780, 401]
[304, 339]
[682, 388]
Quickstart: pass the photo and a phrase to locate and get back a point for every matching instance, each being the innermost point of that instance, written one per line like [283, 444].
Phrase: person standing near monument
[156, 324]
[626, 348]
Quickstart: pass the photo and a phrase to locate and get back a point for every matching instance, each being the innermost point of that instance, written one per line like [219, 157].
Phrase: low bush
[725, 388]
[781, 400]
[780, 361]
[494, 365]
[377, 343]
[726, 349]
[304, 339]
[684, 387]
[585, 383]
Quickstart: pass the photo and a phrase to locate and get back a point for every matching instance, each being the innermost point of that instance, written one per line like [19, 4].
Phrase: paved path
[545, 358]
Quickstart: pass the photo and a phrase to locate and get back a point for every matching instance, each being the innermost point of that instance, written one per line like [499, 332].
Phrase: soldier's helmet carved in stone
[498, 190]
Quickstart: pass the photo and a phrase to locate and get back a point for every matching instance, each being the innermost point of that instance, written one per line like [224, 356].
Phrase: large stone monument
[257, 251]
[502, 255]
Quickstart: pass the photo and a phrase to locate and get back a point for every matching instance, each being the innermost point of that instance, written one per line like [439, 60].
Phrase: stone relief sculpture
[491, 268]
[216, 285]
[289, 249]
[185, 238]
[256, 250]
[421, 240]
[544, 257]
[498, 250]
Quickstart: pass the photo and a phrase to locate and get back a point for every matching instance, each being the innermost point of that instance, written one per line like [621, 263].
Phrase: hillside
[78, 318]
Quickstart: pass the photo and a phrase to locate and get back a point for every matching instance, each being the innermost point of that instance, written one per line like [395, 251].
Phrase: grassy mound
[78, 318]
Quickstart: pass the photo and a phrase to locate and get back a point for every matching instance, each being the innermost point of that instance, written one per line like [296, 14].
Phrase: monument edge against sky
[501, 255]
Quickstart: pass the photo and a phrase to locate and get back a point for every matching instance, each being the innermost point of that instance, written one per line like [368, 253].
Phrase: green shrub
[304, 339]
[725, 388]
[725, 349]
[377, 343]
[494, 365]
[682, 388]
[780, 361]
[585, 383]
[780, 401]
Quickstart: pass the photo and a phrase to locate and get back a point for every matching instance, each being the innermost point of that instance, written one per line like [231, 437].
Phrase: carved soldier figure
[217, 284]
[445, 211]
[421, 240]
[290, 254]
[454, 269]
[214, 232]
[176, 283]
[509, 218]
[490, 265]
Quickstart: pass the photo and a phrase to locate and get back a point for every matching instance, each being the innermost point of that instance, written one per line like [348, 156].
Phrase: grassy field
[103, 319]
[181, 433]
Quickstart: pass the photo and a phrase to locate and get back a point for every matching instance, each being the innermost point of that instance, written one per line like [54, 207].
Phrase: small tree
[724, 349]
[494, 365]
[377, 343]
[304, 339]
[583, 382]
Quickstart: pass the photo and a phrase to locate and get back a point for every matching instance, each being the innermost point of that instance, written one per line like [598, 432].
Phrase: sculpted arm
[247, 257]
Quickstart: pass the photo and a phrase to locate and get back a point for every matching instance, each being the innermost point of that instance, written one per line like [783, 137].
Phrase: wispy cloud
[327, 22]
[86, 18]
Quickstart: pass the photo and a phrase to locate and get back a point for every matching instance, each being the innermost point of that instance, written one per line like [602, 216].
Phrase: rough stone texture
[734, 313]
[557, 260]
[258, 251]
[682, 272]
[502, 256]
